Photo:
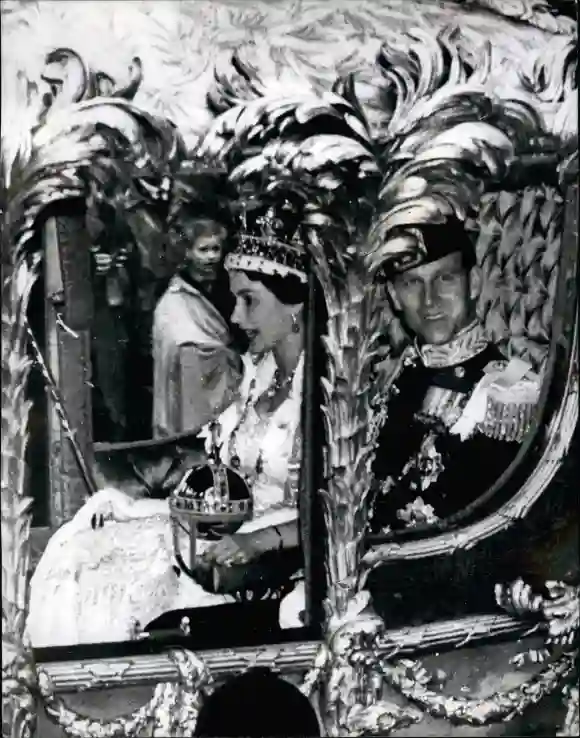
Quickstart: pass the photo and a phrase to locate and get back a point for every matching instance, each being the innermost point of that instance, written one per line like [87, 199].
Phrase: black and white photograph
[289, 368]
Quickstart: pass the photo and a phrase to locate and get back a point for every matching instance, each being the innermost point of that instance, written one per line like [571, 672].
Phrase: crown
[270, 244]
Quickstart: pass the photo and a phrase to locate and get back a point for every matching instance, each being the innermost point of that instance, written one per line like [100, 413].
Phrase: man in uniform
[456, 410]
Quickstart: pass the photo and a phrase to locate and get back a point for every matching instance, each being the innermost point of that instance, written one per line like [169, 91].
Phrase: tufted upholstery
[518, 247]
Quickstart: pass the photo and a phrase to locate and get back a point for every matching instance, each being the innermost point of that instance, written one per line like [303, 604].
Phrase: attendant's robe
[196, 366]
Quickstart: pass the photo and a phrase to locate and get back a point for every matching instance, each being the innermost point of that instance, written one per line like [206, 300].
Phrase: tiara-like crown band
[267, 252]
[261, 264]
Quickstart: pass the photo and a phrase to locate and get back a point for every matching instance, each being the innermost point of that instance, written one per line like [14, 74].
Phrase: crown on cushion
[269, 242]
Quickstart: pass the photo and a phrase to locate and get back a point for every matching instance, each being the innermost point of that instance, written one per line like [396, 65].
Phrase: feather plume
[256, 70]
[553, 76]
[551, 85]
[233, 82]
[419, 69]
[102, 150]
[456, 143]
[109, 154]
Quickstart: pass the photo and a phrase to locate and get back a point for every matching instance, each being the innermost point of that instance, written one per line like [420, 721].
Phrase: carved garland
[172, 710]
[355, 674]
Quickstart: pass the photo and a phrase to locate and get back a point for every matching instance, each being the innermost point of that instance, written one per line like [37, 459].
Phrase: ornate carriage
[88, 172]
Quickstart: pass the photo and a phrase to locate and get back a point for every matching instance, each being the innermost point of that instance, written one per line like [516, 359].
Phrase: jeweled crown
[269, 243]
[212, 493]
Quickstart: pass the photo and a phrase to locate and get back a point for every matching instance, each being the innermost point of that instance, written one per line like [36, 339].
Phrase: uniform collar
[468, 343]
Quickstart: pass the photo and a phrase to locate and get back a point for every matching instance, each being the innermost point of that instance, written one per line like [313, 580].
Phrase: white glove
[292, 607]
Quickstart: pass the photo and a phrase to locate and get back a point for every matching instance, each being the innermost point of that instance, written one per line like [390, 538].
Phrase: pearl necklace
[275, 386]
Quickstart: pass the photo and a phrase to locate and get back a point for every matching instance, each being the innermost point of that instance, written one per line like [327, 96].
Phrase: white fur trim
[260, 264]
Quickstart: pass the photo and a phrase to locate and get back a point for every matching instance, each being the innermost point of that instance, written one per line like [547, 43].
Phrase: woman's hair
[180, 237]
[204, 226]
[257, 703]
[289, 290]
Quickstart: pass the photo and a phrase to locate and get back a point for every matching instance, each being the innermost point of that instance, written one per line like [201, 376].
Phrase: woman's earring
[295, 324]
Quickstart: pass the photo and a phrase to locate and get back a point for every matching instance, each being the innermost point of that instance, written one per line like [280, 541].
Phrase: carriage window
[479, 317]
[182, 393]
[459, 491]
[197, 397]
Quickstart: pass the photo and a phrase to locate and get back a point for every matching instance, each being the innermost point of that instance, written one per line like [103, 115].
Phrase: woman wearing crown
[258, 435]
[109, 578]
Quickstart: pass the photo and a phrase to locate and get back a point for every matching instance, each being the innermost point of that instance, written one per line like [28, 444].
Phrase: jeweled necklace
[276, 385]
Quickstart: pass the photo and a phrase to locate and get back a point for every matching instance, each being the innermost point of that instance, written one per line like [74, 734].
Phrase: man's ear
[475, 282]
[392, 292]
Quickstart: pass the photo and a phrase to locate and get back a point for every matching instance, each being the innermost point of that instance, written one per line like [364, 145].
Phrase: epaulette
[503, 403]
[510, 407]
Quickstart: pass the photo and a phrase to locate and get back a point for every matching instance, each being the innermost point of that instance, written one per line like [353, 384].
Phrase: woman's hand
[235, 550]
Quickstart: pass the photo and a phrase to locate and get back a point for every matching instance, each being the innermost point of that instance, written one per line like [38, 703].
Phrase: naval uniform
[451, 424]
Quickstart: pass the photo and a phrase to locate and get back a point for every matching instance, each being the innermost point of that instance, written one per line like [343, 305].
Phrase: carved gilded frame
[357, 657]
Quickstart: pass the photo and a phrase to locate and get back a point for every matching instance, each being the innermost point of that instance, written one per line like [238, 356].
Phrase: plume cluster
[105, 152]
[443, 141]
[554, 79]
